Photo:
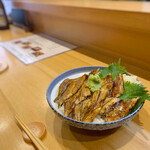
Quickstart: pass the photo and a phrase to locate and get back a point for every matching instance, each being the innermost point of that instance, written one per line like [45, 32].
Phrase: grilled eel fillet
[116, 109]
[85, 105]
[111, 108]
[81, 95]
[75, 102]
[81, 109]
[118, 89]
[71, 89]
[63, 86]
[98, 99]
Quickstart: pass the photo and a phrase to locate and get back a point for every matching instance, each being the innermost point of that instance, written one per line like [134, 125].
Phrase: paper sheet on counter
[34, 48]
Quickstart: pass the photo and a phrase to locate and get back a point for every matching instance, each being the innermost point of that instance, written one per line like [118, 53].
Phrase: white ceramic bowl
[73, 73]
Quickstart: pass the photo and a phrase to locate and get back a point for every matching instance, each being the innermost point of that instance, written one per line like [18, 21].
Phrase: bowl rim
[76, 121]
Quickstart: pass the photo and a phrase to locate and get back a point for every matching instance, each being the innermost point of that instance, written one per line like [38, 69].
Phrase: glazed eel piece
[63, 86]
[84, 105]
[81, 109]
[78, 97]
[116, 109]
[98, 98]
[73, 87]
[109, 89]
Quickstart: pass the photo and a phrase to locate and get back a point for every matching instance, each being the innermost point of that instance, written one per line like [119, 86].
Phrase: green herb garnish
[134, 90]
[94, 82]
[114, 69]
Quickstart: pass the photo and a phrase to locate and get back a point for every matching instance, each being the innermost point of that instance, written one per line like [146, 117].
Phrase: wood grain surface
[23, 90]
[125, 5]
[95, 25]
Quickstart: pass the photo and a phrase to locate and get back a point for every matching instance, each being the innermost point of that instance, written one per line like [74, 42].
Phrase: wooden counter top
[116, 28]
[23, 90]
[122, 5]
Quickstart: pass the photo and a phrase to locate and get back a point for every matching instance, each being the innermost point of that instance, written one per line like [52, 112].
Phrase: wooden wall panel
[116, 33]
